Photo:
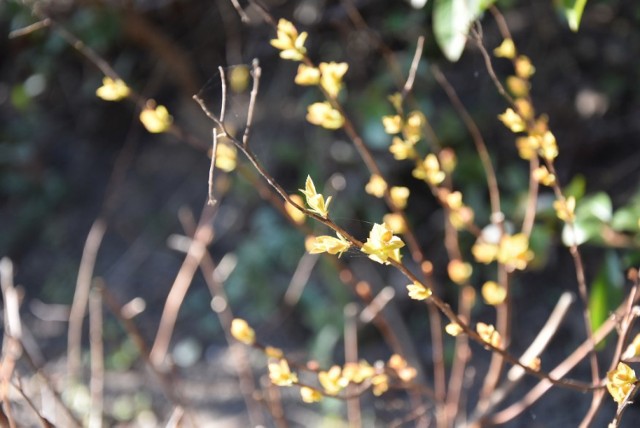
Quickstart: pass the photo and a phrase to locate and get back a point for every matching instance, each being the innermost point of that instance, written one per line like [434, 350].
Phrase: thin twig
[408, 86]
[180, 286]
[220, 306]
[81, 297]
[21, 32]
[351, 356]
[97, 359]
[211, 200]
[256, 72]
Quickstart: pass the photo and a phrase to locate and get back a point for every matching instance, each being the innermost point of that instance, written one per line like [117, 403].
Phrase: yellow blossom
[113, 90]
[527, 146]
[296, 215]
[226, 157]
[429, 170]
[512, 120]
[633, 350]
[524, 108]
[323, 114]
[281, 375]
[376, 186]
[548, 146]
[418, 291]
[460, 217]
[357, 372]
[332, 380]
[534, 364]
[565, 209]
[458, 271]
[382, 244]
[405, 372]
[524, 68]
[514, 252]
[273, 352]
[399, 196]
[412, 129]
[507, 49]
[290, 43]
[380, 383]
[484, 252]
[307, 76]
[402, 149]
[329, 244]
[392, 124]
[620, 382]
[543, 176]
[453, 329]
[310, 395]
[395, 222]
[155, 118]
[242, 332]
[493, 293]
[488, 333]
[518, 87]
[331, 74]
[315, 201]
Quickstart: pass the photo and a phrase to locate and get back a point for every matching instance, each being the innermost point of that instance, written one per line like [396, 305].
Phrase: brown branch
[97, 359]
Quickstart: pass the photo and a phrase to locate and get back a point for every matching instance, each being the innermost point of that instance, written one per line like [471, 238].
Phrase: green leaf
[606, 292]
[576, 187]
[452, 20]
[596, 206]
[573, 11]
[626, 219]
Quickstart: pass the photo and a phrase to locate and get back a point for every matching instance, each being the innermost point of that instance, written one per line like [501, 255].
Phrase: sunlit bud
[507, 49]
[524, 68]
[392, 124]
[418, 291]
[459, 271]
[543, 176]
[323, 114]
[399, 196]
[112, 90]
[307, 76]
[488, 333]
[518, 87]
[376, 186]
[156, 119]
[493, 293]
[331, 76]
[512, 120]
[241, 331]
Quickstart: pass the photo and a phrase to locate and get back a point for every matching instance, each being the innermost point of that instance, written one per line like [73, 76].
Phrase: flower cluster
[539, 141]
[280, 374]
[113, 90]
[489, 334]
[620, 382]
[328, 244]
[382, 244]
[460, 214]
[155, 118]
[512, 251]
[418, 291]
[315, 201]
[241, 331]
[290, 43]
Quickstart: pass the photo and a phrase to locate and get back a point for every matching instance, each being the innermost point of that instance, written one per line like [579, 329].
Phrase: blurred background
[68, 158]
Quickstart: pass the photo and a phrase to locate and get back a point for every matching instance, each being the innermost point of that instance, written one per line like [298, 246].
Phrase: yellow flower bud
[512, 120]
[418, 291]
[296, 215]
[399, 196]
[241, 331]
[307, 76]
[376, 186]
[323, 114]
[113, 90]
[310, 395]
[453, 329]
[459, 272]
[156, 119]
[488, 333]
[524, 68]
[392, 124]
[331, 76]
[493, 293]
[507, 49]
